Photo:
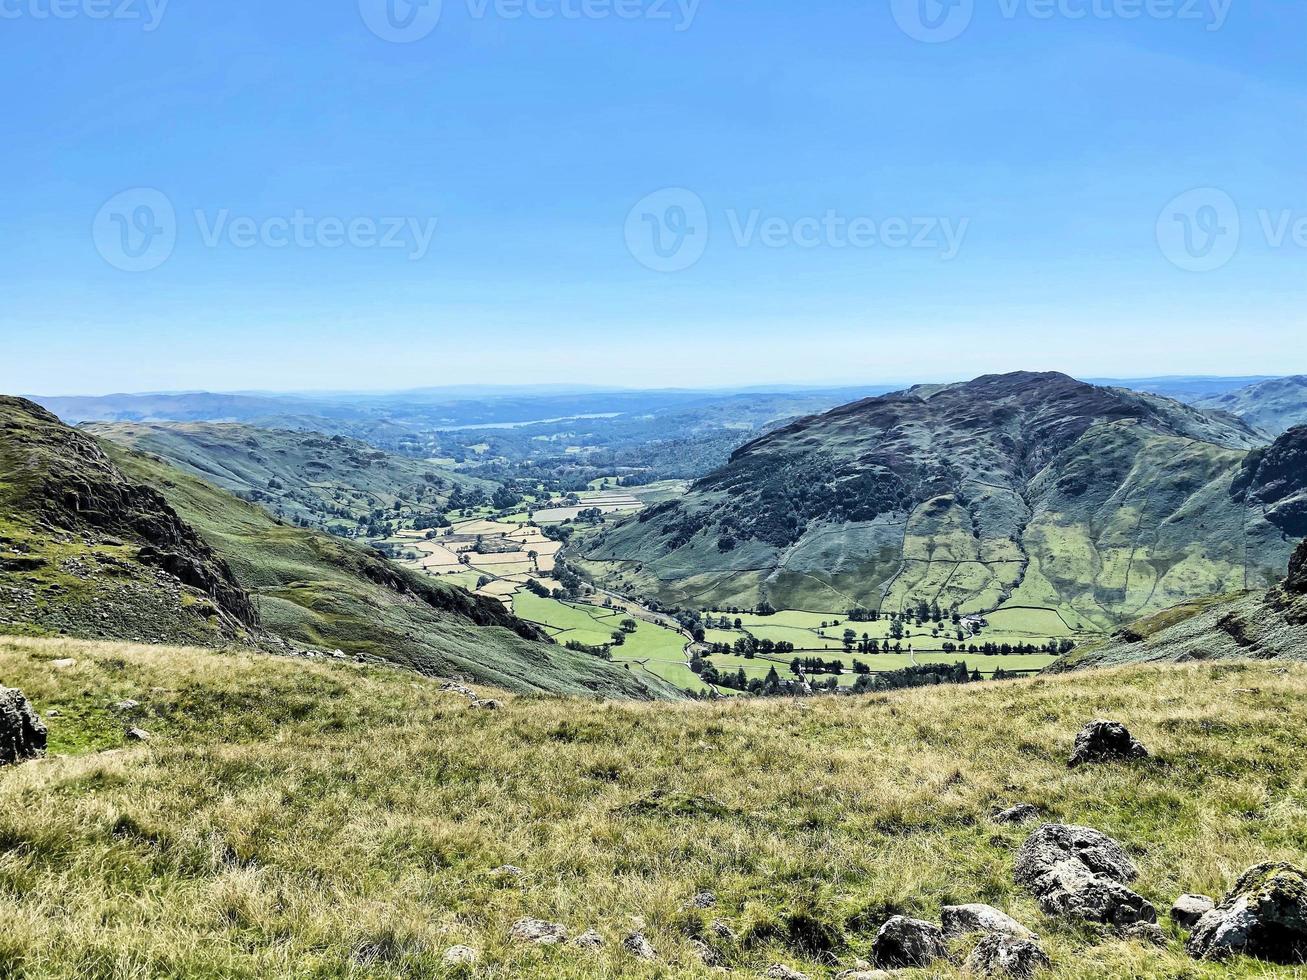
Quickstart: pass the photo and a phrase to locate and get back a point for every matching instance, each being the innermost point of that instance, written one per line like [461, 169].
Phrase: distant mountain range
[1035, 490]
[1273, 406]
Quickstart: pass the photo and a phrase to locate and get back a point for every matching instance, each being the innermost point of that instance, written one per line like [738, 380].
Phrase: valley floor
[293, 819]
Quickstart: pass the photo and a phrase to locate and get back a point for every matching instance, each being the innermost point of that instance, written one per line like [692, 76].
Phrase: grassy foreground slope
[319, 590]
[327, 820]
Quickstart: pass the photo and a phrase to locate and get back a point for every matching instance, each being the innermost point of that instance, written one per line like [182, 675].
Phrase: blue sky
[1016, 191]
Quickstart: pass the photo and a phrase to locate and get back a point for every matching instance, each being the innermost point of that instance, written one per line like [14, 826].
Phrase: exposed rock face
[1264, 915]
[1297, 580]
[1188, 909]
[904, 942]
[1106, 741]
[459, 955]
[537, 931]
[589, 940]
[1081, 873]
[958, 920]
[1274, 480]
[1002, 955]
[22, 734]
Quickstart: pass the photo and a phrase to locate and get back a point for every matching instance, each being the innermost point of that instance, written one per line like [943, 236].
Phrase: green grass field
[297, 819]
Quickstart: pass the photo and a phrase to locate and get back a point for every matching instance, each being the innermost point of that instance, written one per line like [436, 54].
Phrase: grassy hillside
[1261, 625]
[319, 590]
[1028, 490]
[318, 820]
[331, 483]
[84, 551]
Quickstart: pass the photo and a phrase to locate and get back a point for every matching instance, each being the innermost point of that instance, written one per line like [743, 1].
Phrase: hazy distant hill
[330, 482]
[1272, 406]
[98, 541]
[1025, 489]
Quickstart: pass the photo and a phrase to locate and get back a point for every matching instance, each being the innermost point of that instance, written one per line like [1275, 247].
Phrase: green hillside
[327, 482]
[1273, 406]
[1257, 625]
[291, 819]
[1028, 490]
[102, 542]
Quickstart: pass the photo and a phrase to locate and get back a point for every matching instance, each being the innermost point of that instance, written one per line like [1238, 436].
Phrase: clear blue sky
[1053, 144]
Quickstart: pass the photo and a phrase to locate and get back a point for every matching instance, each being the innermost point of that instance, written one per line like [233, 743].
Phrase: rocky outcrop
[638, 946]
[1000, 955]
[1264, 915]
[904, 942]
[1296, 583]
[1021, 813]
[22, 733]
[1082, 874]
[1105, 741]
[537, 932]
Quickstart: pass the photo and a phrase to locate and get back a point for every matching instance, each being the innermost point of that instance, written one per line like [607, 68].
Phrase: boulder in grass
[1080, 873]
[999, 955]
[1021, 813]
[904, 942]
[639, 947]
[589, 939]
[537, 932]
[460, 956]
[22, 733]
[1106, 741]
[779, 971]
[1263, 916]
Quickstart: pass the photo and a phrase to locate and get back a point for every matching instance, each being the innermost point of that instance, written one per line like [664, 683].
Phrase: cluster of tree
[1062, 646]
[922, 675]
[602, 652]
[748, 647]
[815, 665]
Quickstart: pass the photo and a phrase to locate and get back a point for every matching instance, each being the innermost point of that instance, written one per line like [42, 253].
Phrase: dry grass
[311, 820]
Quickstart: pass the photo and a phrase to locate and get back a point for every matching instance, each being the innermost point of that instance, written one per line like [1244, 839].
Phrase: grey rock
[138, 735]
[1021, 813]
[22, 733]
[1188, 909]
[704, 900]
[959, 920]
[488, 705]
[537, 931]
[1000, 955]
[904, 942]
[1148, 933]
[1106, 741]
[779, 971]
[705, 953]
[589, 940]
[63, 664]
[1054, 843]
[508, 871]
[459, 955]
[1080, 873]
[639, 947]
[126, 705]
[1264, 916]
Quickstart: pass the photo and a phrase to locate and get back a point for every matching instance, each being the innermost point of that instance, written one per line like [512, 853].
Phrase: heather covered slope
[328, 482]
[292, 819]
[1269, 625]
[1027, 490]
